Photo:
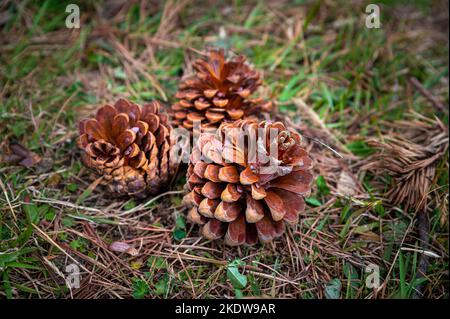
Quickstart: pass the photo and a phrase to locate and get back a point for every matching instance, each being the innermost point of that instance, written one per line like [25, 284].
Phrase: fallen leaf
[15, 153]
[346, 185]
[333, 289]
[370, 236]
[122, 247]
[54, 180]
[136, 265]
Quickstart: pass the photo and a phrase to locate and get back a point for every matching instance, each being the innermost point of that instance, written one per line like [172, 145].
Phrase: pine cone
[128, 145]
[245, 188]
[219, 92]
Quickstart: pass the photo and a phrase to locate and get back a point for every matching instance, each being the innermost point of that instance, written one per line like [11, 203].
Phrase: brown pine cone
[128, 145]
[246, 188]
[220, 91]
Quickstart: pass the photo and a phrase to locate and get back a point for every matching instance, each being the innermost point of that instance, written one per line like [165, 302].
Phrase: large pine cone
[248, 187]
[218, 92]
[128, 145]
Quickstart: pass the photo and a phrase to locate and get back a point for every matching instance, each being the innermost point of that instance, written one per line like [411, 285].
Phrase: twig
[427, 94]
[67, 204]
[323, 144]
[423, 226]
[51, 241]
[7, 199]
[316, 119]
[145, 205]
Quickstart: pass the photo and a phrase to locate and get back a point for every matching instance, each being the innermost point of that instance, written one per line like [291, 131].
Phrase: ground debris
[409, 153]
[15, 153]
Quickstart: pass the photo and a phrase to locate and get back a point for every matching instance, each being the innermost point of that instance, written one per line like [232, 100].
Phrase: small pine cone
[220, 91]
[128, 145]
[247, 180]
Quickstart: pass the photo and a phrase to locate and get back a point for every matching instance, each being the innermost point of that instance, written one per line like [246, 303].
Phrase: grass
[353, 78]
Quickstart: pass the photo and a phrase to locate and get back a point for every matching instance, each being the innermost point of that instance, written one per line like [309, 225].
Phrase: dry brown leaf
[15, 153]
[346, 185]
[122, 247]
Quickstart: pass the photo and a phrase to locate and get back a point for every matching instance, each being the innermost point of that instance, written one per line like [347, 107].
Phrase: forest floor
[351, 90]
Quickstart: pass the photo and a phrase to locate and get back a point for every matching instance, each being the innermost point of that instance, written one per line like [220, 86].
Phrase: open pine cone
[128, 145]
[245, 188]
[218, 92]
